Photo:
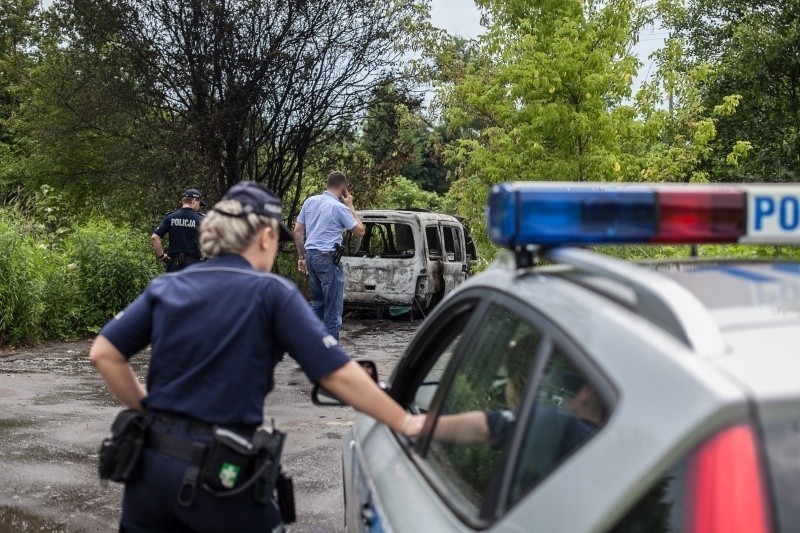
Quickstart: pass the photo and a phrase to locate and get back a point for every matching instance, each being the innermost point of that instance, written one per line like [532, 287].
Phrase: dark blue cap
[256, 199]
[194, 194]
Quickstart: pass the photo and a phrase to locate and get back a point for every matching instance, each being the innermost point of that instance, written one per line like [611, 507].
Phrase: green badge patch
[228, 474]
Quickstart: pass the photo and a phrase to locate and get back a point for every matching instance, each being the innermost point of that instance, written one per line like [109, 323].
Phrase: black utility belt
[229, 466]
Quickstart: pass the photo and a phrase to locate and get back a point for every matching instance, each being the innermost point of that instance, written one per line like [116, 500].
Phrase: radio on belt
[533, 213]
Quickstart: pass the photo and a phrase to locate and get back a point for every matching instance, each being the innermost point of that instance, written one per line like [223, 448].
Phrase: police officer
[182, 226]
[217, 331]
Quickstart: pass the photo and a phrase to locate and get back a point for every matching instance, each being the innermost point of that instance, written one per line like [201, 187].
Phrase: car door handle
[367, 514]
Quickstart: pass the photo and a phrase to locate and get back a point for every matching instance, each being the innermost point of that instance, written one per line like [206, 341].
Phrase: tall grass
[65, 286]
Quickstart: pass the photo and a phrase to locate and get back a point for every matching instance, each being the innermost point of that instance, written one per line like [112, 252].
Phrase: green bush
[21, 283]
[113, 266]
[66, 288]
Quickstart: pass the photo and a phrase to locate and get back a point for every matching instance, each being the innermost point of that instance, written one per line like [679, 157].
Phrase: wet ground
[55, 410]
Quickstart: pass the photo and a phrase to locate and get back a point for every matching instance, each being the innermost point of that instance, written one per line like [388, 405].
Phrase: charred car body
[406, 259]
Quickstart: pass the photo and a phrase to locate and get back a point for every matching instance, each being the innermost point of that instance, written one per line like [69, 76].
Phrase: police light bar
[578, 213]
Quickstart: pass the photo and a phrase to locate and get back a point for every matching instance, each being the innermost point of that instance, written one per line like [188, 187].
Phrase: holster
[119, 454]
[338, 252]
[235, 464]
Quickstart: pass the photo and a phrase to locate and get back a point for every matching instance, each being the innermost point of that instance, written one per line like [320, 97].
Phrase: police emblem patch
[228, 473]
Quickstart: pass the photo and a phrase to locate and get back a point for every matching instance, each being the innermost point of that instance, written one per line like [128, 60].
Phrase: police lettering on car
[217, 330]
[182, 226]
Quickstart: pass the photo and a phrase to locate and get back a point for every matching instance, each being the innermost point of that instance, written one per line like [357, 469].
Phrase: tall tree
[752, 49]
[545, 93]
[18, 28]
[247, 87]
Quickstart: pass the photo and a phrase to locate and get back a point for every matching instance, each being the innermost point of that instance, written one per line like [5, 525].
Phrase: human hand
[412, 425]
[164, 258]
[347, 198]
[301, 266]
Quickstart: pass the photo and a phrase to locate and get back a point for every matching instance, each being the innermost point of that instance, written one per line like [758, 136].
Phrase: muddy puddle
[55, 410]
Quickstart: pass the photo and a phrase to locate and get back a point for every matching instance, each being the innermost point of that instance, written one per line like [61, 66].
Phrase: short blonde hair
[221, 234]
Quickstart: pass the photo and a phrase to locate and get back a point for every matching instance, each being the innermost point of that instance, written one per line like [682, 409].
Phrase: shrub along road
[55, 410]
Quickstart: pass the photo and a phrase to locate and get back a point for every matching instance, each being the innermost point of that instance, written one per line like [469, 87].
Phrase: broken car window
[383, 239]
[434, 247]
[452, 244]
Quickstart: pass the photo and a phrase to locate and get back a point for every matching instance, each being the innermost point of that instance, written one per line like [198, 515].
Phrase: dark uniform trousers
[151, 500]
[181, 261]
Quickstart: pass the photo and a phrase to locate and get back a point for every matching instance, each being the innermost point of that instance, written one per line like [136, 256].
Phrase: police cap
[256, 199]
[194, 194]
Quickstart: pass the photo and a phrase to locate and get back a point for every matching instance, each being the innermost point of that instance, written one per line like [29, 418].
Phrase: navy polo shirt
[217, 330]
[183, 226]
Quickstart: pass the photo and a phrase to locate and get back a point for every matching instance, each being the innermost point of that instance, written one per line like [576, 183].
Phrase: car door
[461, 355]
[454, 260]
[375, 458]
[478, 396]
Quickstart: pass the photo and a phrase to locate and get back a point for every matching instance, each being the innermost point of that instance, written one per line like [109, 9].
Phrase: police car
[595, 394]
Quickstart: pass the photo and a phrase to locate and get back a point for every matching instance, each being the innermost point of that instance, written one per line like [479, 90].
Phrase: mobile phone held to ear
[344, 195]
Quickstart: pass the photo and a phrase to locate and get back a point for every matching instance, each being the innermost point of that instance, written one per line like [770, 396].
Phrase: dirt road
[55, 410]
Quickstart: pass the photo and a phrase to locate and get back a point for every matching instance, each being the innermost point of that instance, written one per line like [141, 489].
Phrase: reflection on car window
[383, 240]
[427, 389]
[437, 353]
[568, 410]
[479, 409]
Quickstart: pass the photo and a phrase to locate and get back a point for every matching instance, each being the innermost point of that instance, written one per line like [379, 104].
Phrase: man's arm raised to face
[358, 230]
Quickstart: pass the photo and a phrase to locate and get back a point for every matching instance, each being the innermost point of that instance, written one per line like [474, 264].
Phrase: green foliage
[113, 266]
[21, 285]
[752, 50]
[402, 193]
[66, 287]
[474, 463]
[545, 95]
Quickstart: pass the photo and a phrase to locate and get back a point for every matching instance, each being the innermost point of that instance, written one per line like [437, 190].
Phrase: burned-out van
[406, 260]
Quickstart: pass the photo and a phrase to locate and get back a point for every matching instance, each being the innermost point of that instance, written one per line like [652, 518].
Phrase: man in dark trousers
[182, 225]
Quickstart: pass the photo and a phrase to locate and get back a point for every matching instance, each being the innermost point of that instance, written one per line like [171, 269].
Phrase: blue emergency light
[520, 214]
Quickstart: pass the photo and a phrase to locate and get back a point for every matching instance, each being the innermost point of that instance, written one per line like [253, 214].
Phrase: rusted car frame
[406, 259]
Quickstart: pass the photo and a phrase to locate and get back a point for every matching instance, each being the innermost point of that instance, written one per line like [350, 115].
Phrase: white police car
[594, 394]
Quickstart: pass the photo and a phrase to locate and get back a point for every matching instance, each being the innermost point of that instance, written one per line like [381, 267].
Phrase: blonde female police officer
[217, 331]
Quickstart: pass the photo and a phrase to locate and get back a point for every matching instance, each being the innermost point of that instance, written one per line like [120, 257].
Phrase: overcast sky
[461, 17]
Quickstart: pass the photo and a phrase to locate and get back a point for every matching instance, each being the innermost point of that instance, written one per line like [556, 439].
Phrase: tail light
[726, 486]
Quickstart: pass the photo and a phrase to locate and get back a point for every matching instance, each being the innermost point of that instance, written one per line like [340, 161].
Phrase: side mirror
[323, 397]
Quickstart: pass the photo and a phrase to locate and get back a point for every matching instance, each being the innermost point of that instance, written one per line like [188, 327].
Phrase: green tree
[546, 91]
[18, 31]
[752, 49]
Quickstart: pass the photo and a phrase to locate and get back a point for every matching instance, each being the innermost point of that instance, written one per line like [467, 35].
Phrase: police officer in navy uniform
[182, 226]
[217, 330]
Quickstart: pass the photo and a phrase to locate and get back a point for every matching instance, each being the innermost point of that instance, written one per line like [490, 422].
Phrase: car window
[720, 482]
[383, 240]
[436, 356]
[432, 238]
[430, 384]
[478, 410]
[567, 411]
[452, 244]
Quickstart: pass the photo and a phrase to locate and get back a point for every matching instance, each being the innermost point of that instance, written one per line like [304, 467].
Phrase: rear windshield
[386, 240]
[782, 440]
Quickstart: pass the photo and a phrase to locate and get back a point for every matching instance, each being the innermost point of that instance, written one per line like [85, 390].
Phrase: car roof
[757, 307]
[754, 306]
[406, 215]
